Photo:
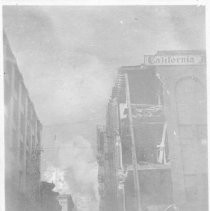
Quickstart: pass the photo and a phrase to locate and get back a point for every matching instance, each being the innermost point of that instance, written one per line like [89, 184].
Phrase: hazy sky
[69, 58]
[69, 55]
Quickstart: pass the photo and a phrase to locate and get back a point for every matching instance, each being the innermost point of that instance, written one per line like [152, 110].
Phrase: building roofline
[124, 69]
[8, 55]
[182, 52]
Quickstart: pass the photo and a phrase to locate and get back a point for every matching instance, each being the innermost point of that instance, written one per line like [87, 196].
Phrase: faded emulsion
[105, 108]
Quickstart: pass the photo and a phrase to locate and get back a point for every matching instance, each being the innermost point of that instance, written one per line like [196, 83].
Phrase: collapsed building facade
[152, 153]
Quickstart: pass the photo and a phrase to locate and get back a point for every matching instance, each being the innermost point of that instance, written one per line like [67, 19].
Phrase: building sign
[174, 59]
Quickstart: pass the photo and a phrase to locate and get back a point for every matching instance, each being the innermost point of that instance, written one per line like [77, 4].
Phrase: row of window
[13, 81]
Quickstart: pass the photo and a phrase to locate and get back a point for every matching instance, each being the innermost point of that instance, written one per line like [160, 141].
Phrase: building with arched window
[183, 75]
[156, 130]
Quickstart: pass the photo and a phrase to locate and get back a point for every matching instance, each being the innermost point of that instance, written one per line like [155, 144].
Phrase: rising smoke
[68, 56]
[76, 174]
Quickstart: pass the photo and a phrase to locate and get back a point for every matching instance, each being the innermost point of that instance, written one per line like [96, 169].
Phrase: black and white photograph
[105, 107]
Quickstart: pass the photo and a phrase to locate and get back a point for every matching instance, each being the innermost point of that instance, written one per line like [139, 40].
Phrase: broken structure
[152, 152]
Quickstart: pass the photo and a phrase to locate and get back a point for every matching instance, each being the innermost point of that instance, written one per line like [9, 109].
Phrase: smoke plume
[76, 174]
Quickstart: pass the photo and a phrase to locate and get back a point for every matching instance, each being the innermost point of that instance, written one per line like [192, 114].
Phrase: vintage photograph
[105, 108]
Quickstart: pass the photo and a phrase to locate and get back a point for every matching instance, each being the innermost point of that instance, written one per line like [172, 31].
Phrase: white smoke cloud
[68, 56]
[77, 173]
[56, 176]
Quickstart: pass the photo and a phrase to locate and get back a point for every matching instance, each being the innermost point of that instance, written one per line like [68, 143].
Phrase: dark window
[7, 80]
[15, 111]
[8, 66]
[16, 81]
[108, 156]
[22, 124]
[23, 97]
[14, 141]
[38, 137]
[27, 161]
[28, 136]
[29, 110]
[21, 150]
[101, 141]
[144, 87]
[20, 180]
[7, 93]
[33, 142]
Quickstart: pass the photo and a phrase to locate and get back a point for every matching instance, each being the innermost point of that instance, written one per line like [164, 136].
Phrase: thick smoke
[69, 56]
[77, 173]
[57, 176]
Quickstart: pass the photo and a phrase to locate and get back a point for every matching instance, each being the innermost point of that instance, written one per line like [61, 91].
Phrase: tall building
[22, 139]
[183, 75]
[156, 135]
[104, 170]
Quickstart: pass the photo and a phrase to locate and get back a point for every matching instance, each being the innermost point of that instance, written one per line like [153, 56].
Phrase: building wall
[180, 91]
[49, 201]
[186, 114]
[110, 161]
[112, 132]
[148, 123]
[66, 202]
[118, 133]
[22, 134]
[101, 149]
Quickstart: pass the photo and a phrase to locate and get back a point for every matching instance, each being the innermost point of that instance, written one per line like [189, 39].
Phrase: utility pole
[133, 146]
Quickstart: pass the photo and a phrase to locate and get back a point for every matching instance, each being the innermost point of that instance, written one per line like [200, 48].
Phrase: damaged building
[152, 152]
